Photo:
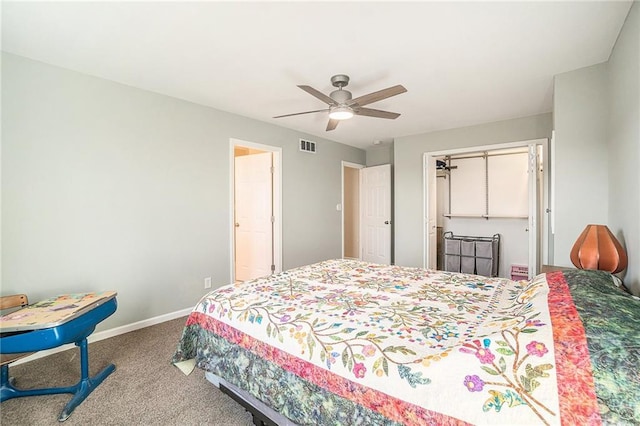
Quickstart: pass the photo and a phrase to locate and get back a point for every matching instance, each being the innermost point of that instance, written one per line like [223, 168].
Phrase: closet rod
[450, 158]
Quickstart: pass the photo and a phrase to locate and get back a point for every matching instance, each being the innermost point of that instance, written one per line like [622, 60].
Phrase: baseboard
[101, 335]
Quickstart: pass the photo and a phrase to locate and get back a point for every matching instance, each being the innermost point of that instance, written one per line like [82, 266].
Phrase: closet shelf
[484, 216]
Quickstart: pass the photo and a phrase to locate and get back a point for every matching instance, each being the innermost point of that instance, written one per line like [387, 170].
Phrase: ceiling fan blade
[370, 112]
[378, 96]
[300, 113]
[332, 124]
[318, 94]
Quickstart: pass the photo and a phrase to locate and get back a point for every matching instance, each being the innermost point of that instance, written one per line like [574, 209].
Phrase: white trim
[491, 147]
[277, 203]
[101, 335]
[352, 166]
[534, 208]
[425, 201]
[552, 188]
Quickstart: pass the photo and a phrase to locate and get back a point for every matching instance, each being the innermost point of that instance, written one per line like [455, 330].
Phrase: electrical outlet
[207, 282]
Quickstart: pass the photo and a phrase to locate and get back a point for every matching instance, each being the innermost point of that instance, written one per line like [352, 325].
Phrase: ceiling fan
[342, 106]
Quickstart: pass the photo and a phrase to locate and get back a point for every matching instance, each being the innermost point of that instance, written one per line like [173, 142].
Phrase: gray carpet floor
[144, 389]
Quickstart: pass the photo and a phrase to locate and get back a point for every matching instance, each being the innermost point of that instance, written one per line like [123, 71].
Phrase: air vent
[307, 146]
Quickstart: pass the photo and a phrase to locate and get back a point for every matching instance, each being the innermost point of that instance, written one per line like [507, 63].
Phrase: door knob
[386, 222]
[237, 225]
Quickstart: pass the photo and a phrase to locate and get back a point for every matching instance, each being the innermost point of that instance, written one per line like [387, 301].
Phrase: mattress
[350, 342]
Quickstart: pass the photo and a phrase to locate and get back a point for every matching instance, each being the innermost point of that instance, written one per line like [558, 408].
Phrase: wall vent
[307, 146]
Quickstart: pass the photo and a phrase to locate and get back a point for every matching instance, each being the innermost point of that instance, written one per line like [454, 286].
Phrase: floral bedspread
[348, 342]
[610, 317]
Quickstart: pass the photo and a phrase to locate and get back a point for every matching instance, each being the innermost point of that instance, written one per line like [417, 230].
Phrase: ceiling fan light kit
[340, 113]
[342, 106]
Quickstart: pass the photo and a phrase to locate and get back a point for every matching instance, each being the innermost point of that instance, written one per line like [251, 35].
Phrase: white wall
[105, 186]
[624, 143]
[581, 166]
[508, 196]
[514, 249]
[408, 150]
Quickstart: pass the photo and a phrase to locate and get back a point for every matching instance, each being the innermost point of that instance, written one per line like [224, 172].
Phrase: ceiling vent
[307, 146]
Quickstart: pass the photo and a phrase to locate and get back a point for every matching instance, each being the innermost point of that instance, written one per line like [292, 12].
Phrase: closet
[483, 203]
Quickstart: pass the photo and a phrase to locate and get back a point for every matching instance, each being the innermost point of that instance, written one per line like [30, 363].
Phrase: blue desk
[74, 322]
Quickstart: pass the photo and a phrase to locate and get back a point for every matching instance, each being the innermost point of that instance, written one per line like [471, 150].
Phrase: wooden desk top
[53, 312]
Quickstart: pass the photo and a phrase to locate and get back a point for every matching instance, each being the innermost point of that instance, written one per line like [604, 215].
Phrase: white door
[534, 166]
[375, 190]
[253, 216]
[431, 246]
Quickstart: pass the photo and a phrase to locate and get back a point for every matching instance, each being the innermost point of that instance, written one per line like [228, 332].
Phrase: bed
[345, 342]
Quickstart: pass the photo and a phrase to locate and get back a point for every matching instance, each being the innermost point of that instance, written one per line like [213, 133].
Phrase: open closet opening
[485, 209]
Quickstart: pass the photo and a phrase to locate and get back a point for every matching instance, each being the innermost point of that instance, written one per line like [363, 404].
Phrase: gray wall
[597, 125]
[581, 169]
[596, 119]
[408, 201]
[379, 155]
[105, 186]
[624, 143]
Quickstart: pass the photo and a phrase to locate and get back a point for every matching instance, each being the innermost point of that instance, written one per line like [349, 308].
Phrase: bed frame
[262, 414]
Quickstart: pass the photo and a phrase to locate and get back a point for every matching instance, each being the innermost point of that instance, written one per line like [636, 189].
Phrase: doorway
[493, 200]
[256, 231]
[366, 213]
[351, 210]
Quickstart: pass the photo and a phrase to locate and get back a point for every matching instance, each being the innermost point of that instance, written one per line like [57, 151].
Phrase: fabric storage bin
[471, 255]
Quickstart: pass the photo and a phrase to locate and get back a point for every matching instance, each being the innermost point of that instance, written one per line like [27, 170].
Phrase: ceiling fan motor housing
[340, 96]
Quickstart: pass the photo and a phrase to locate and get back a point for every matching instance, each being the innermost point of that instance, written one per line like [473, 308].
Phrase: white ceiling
[463, 63]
